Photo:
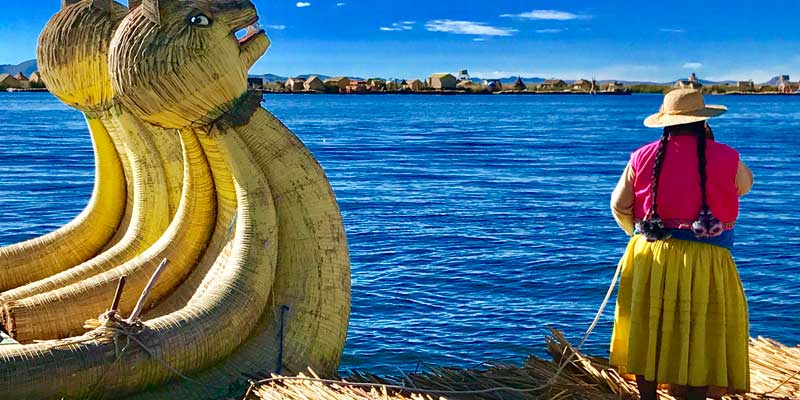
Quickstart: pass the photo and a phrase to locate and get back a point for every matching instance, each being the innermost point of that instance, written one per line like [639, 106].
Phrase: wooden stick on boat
[118, 293]
[140, 304]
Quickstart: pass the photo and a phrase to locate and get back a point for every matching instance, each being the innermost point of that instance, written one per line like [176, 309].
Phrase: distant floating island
[24, 77]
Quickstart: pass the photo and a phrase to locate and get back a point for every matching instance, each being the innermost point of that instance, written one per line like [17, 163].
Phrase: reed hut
[581, 85]
[519, 85]
[469, 86]
[553, 85]
[442, 81]
[339, 82]
[36, 77]
[295, 84]
[314, 84]
[9, 82]
[357, 86]
[414, 85]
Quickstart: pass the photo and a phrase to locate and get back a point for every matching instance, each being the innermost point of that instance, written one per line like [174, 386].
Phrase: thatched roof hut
[295, 84]
[314, 84]
[553, 84]
[414, 85]
[36, 77]
[8, 82]
[442, 81]
[582, 85]
[340, 82]
[519, 85]
[469, 86]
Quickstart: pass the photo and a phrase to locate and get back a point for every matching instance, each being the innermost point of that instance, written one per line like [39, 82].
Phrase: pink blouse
[679, 196]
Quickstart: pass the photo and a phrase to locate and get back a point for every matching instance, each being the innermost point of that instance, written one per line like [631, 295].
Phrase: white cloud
[546, 15]
[550, 30]
[673, 30]
[301, 4]
[399, 26]
[467, 28]
[340, 4]
[276, 27]
[693, 65]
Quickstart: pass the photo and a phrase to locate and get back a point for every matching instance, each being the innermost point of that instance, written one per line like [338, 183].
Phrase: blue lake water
[474, 222]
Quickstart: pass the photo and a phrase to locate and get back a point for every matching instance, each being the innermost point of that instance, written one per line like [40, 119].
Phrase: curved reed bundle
[199, 335]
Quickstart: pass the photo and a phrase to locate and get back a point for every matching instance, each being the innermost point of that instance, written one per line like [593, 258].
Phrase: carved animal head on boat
[73, 52]
[180, 63]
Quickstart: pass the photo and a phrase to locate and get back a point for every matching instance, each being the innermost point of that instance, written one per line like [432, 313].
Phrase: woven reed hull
[39, 317]
[150, 219]
[199, 335]
[313, 275]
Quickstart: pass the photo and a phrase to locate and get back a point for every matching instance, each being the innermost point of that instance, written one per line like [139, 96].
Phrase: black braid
[662, 151]
[652, 227]
[701, 165]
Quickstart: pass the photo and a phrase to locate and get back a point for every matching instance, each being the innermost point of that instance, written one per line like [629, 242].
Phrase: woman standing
[681, 315]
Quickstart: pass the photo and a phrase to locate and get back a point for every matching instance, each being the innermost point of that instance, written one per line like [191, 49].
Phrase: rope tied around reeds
[126, 331]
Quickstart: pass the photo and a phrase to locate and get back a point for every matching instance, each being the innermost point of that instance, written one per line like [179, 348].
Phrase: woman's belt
[724, 240]
[677, 223]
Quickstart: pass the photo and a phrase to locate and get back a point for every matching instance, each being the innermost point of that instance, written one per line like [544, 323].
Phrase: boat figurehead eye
[200, 20]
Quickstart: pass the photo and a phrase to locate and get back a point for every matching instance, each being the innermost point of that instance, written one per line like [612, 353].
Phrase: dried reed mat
[774, 375]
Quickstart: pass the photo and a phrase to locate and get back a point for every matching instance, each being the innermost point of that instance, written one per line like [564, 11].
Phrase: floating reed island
[775, 374]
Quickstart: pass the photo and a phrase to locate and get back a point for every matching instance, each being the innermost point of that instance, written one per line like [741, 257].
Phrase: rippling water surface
[474, 222]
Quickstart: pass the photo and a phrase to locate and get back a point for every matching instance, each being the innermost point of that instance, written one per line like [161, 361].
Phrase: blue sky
[632, 40]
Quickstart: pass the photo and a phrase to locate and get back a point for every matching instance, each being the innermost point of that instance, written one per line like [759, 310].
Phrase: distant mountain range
[27, 68]
[30, 66]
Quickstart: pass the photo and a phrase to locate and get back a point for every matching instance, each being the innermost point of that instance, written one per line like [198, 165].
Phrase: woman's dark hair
[701, 130]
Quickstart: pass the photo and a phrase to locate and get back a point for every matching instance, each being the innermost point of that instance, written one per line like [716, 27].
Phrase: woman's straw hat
[683, 106]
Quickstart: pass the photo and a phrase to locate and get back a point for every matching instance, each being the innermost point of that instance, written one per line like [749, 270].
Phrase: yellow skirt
[681, 315]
